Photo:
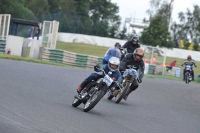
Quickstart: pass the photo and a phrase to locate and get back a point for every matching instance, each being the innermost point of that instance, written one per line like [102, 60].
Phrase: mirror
[109, 73]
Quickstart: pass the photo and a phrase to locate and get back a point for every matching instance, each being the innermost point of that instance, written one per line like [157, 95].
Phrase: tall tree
[103, 14]
[91, 17]
[38, 7]
[16, 8]
[188, 28]
[67, 6]
[82, 16]
[154, 6]
[157, 34]
[54, 6]
[122, 34]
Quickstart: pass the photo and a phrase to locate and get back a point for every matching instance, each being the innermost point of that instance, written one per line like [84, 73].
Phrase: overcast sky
[137, 9]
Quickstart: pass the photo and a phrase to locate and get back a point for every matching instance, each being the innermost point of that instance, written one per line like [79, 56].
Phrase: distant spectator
[31, 32]
[145, 60]
[153, 60]
[171, 65]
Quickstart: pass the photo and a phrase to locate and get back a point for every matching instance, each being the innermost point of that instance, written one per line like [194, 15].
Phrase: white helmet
[113, 64]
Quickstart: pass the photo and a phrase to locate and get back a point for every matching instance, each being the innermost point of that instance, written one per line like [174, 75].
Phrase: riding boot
[115, 92]
[83, 85]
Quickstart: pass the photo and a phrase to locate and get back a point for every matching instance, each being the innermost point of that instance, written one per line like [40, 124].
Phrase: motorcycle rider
[131, 45]
[135, 60]
[112, 52]
[113, 66]
[190, 62]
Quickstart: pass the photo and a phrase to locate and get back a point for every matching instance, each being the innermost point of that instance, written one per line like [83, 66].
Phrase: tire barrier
[2, 46]
[70, 58]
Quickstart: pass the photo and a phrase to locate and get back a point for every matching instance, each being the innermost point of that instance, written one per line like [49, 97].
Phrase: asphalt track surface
[36, 98]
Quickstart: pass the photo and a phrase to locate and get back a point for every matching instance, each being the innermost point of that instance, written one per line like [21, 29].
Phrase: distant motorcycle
[188, 76]
[123, 52]
[93, 92]
[128, 77]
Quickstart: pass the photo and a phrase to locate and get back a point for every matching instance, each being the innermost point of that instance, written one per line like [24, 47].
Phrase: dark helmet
[138, 54]
[118, 44]
[135, 39]
[189, 57]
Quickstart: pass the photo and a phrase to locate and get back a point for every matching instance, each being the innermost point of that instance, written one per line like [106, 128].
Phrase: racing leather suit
[137, 65]
[130, 47]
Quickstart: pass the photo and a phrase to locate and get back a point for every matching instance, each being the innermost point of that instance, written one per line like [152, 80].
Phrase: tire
[121, 94]
[110, 95]
[92, 101]
[76, 102]
[186, 78]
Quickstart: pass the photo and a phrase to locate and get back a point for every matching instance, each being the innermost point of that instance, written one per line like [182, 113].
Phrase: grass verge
[168, 77]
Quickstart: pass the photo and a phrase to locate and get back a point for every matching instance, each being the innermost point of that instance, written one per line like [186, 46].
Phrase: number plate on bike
[108, 80]
[188, 67]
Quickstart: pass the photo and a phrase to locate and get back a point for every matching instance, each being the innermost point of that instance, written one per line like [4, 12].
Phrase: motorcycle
[188, 76]
[128, 77]
[123, 52]
[93, 92]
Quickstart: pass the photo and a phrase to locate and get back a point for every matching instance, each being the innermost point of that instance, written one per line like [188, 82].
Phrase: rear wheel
[122, 93]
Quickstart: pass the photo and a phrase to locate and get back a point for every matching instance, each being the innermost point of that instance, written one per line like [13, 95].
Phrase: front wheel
[76, 102]
[187, 78]
[122, 93]
[93, 100]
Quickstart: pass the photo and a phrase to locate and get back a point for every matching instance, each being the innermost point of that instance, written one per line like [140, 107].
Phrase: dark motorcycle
[123, 52]
[128, 77]
[188, 76]
[93, 92]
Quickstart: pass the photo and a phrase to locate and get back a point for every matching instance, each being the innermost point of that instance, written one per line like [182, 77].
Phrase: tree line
[101, 18]
[184, 34]
[92, 17]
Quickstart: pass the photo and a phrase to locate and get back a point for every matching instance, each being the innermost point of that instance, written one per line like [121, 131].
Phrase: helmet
[135, 39]
[189, 57]
[138, 54]
[113, 64]
[117, 44]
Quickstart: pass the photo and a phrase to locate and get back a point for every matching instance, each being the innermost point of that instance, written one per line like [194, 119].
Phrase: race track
[36, 98]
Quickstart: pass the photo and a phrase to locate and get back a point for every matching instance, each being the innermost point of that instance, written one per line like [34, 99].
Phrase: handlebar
[113, 80]
[122, 48]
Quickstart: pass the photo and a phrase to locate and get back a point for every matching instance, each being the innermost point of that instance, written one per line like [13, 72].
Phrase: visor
[138, 57]
[113, 66]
